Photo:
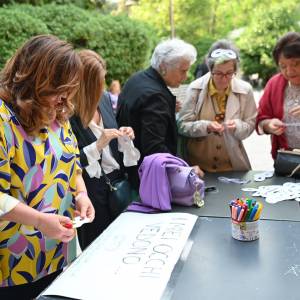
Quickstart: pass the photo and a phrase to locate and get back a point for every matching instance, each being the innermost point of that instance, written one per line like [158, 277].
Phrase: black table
[219, 267]
[216, 202]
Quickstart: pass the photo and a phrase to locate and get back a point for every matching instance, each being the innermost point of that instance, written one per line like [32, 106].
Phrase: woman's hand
[107, 136]
[84, 206]
[198, 171]
[178, 106]
[52, 226]
[230, 125]
[295, 111]
[274, 126]
[127, 131]
[216, 127]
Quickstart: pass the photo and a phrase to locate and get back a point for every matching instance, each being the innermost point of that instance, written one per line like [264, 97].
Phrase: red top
[271, 106]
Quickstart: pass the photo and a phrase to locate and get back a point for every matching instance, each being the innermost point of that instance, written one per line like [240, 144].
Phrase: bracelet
[80, 194]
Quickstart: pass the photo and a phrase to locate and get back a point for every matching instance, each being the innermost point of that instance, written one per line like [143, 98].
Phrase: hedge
[124, 44]
[15, 28]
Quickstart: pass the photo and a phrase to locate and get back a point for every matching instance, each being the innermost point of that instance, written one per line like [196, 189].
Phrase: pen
[257, 215]
[253, 212]
[241, 214]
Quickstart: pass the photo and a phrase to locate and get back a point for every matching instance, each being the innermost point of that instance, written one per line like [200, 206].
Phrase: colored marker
[253, 212]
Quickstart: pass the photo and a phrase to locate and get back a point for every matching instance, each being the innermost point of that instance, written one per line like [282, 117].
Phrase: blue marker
[253, 212]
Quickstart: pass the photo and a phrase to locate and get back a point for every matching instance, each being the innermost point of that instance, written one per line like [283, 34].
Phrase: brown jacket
[240, 107]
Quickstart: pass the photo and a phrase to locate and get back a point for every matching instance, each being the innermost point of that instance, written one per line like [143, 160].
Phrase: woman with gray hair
[218, 113]
[168, 54]
[147, 105]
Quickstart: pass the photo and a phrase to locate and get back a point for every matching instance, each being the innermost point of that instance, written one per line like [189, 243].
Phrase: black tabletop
[216, 202]
[220, 267]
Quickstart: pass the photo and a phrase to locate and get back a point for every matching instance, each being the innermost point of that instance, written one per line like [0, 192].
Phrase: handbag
[287, 163]
[121, 194]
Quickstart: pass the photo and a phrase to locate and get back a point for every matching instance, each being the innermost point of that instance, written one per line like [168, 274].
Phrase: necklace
[219, 117]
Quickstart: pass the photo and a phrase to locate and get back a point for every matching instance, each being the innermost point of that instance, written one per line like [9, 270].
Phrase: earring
[163, 72]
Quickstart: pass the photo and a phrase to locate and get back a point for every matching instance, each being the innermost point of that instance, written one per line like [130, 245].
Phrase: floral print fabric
[41, 173]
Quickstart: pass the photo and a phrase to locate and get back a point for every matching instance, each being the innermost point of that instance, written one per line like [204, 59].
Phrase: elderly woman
[279, 107]
[147, 105]
[218, 113]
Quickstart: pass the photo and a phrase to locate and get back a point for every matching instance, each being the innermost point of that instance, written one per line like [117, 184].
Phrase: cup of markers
[245, 214]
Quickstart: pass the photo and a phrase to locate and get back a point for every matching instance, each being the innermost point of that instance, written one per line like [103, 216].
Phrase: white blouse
[292, 99]
[108, 163]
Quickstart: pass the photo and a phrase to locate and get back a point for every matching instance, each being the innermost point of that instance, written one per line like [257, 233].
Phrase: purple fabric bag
[183, 183]
[165, 178]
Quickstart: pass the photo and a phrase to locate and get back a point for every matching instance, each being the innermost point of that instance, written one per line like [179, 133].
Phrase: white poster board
[133, 259]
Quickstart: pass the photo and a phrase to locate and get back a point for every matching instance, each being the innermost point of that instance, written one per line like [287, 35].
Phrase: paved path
[258, 147]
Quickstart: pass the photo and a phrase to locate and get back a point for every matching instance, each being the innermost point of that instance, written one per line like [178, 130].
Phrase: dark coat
[147, 105]
[86, 137]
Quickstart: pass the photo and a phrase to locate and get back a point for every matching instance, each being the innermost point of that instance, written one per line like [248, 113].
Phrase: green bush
[65, 21]
[257, 41]
[15, 28]
[124, 44]
[79, 3]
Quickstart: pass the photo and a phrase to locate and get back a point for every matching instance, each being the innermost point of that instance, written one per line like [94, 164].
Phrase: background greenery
[253, 25]
[125, 44]
[126, 34]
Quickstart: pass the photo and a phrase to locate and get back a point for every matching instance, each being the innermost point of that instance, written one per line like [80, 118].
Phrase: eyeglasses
[222, 75]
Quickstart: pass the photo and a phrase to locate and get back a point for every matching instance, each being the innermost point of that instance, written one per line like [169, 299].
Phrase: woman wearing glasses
[279, 107]
[218, 113]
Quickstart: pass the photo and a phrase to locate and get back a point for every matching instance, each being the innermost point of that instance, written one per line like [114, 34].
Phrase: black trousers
[27, 291]
[98, 192]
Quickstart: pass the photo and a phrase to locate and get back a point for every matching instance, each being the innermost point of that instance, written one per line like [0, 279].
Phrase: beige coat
[240, 107]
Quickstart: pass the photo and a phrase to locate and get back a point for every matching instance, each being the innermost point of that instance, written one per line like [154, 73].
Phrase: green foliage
[189, 15]
[191, 19]
[125, 44]
[15, 28]
[257, 41]
[80, 3]
[65, 21]
[203, 22]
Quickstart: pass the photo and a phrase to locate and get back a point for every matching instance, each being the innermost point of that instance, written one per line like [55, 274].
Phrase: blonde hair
[91, 86]
[44, 66]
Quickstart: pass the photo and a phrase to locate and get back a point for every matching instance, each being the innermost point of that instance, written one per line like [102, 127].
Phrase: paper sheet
[133, 259]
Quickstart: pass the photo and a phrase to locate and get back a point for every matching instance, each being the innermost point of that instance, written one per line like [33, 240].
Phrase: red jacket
[271, 106]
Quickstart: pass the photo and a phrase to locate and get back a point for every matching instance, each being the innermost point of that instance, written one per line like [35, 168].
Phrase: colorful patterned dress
[40, 172]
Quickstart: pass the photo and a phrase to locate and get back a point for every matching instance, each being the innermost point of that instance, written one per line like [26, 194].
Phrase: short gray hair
[222, 44]
[171, 52]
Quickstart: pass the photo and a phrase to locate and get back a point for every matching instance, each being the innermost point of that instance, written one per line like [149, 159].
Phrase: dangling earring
[163, 72]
